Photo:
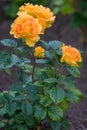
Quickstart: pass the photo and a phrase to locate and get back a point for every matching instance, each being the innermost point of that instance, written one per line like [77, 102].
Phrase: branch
[33, 71]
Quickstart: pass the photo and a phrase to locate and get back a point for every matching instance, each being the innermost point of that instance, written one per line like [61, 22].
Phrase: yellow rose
[38, 11]
[27, 27]
[70, 55]
[39, 52]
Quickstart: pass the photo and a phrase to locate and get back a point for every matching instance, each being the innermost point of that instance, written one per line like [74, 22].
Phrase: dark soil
[61, 30]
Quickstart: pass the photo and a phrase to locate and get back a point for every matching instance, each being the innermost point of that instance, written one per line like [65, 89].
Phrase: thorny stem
[34, 64]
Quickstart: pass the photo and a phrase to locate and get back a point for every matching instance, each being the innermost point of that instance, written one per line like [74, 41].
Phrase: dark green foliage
[79, 17]
[43, 90]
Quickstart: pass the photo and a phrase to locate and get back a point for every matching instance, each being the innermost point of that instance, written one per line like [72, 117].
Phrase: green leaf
[45, 101]
[57, 94]
[49, 54]
[64, 105]
[59, 52]
[58, 56]
[76, 92]
[23, 60]
[73, 71]
[29, 120]
[55, 44]
[27, 68]
[44, 74]
[55, 113]
[7, 96]
[2, 111]
[67, 8]
[56, 10]
[22, 127]
[8, 71]
[38, 72]
[40, 113]
[65, 124]
[9, 42]
[11, 121]
[58, 3]
[32, 91]
[27, 108]
[22, 50]
[44, 44]
[7, 60]
[14, 59]
[72, 98]
[55, 125]
[19, 118]
[41, 61]
[68, 82]
[19, 98]
[24, 77]
[11, 108]
[50, 80]
[2, 124]
[16, 87]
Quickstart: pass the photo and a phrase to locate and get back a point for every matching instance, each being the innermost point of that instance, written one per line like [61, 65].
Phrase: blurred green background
[77, 8]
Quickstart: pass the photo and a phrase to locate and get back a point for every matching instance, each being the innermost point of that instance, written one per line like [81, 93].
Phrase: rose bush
[43, 90]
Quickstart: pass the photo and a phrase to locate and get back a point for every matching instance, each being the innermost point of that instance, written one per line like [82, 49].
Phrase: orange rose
[70, 55]
[39, 52]
[27, 27]
[44, 14]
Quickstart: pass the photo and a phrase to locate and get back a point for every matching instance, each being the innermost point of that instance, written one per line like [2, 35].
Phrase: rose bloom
[44, 14]
[39, 52]
[27, 27]
[70, 55]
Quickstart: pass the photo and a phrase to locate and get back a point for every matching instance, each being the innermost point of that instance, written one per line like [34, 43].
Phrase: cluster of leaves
[77, 9]
[63, 6]
[13, 5]
[79, 17]
[43, 91]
